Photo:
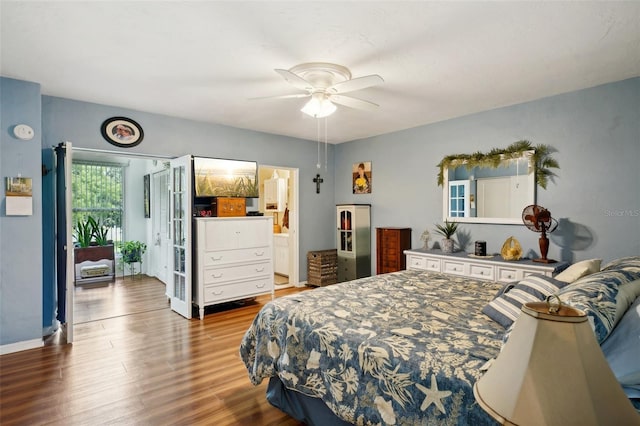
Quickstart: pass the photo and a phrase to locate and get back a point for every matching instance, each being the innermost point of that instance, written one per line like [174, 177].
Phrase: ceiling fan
[325, 84]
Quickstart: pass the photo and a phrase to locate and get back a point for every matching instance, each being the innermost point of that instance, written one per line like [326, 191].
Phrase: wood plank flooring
[152, 367]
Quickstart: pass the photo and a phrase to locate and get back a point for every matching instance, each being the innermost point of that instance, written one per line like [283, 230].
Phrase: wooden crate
[229, 206]
[322, 267]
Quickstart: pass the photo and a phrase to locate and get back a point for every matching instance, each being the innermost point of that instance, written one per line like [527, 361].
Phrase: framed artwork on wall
[147, 196]
[362, 177]
[122, 132]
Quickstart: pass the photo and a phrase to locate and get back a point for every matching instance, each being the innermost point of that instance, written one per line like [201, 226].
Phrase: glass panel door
[345, 230]
[180, 279]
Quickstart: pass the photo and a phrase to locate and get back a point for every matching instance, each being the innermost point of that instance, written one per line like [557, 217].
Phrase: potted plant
[92, 244]
[447, 231]
[100, 231]
[132, 252]
[83, 233]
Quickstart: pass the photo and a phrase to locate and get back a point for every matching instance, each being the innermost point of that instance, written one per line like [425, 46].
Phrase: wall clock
[122, 132]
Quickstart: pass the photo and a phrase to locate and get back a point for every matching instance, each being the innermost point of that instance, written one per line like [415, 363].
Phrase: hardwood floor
[124, 296]
[146, 368]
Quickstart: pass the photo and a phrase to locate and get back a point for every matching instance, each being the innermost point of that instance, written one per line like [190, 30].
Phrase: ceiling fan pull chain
[325, 144]
[318, 138]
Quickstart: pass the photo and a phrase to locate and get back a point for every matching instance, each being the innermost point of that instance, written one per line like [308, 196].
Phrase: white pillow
[579, 270]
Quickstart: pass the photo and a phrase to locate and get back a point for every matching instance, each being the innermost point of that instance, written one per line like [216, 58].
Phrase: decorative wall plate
[122, 132]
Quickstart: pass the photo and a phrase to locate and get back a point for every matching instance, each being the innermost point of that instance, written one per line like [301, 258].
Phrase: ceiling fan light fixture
[319, 106]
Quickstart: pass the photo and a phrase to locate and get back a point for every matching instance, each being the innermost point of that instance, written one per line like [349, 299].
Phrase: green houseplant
[132, 252]
[91, 244]
[447, 231]
[100, 231]
[83, 233]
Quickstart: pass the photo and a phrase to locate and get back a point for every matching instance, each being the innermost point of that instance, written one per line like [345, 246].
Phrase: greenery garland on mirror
[541, 158]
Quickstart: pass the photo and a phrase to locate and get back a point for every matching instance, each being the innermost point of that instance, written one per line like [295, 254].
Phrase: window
[459, 198]
[98, 191]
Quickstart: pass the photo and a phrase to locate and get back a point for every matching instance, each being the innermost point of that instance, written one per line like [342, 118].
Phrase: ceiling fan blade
[299, 95]
[295, 80]
[355, 84]
[350, 102]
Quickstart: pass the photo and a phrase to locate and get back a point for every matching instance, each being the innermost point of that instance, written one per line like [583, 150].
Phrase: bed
[399, 348]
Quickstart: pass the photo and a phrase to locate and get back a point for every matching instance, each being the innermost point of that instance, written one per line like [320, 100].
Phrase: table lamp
[552, 371]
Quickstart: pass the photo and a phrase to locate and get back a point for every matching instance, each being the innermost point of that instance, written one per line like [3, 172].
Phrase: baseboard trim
[21, 346]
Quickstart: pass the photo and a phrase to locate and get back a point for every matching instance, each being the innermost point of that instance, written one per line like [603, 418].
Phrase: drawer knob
[216, 276]
[217, 293]
[259, 253]
[260, 269]
[216, 258]
[260, 285]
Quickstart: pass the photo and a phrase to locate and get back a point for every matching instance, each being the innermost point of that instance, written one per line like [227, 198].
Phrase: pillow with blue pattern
[507, 306]
[600, 297]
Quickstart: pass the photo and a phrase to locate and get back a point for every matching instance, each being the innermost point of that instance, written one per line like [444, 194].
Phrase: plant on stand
[447, 231]
[132, 252]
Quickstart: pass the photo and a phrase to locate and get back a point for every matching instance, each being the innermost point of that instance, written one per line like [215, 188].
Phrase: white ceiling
[204, 60]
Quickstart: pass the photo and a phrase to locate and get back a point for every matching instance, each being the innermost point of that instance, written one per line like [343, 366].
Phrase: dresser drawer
[453, 267]
[238, 290]
[234, 273]
[507, 274]
[484, 272]
[214, 258]
[416, 262]
[432, 264]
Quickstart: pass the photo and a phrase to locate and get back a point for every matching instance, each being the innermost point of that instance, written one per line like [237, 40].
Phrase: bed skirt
[311, 411]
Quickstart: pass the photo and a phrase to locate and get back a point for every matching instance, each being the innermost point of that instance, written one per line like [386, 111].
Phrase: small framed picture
[362, 177]
[122, 132]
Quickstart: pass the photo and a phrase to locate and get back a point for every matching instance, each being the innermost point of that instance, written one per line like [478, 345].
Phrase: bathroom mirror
[494, 193]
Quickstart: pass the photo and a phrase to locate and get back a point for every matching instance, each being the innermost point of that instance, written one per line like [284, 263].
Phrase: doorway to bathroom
[279, 199]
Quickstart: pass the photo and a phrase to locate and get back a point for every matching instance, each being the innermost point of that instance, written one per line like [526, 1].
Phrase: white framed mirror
[489, 194]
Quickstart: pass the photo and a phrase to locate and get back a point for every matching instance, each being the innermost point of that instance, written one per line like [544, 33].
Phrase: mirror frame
[530, 154]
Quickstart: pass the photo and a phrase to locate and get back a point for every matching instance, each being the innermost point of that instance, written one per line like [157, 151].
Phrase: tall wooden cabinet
[354, 241]
[390, 246]
[234, 259]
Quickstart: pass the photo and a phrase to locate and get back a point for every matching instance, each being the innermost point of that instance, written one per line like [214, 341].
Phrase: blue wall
[595, 195]
[20, 236]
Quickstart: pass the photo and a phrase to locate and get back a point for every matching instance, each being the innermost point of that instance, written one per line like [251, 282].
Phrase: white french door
[180, 222]
[160, 207]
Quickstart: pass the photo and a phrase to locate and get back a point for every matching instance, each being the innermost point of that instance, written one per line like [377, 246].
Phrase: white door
[180, 223]
[69, 245]
[160, 206]
[459, 203]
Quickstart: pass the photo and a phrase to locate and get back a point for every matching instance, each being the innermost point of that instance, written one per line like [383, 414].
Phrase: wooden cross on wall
[318, 180]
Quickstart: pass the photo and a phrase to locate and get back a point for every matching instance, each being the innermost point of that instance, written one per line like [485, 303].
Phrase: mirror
[489, 193]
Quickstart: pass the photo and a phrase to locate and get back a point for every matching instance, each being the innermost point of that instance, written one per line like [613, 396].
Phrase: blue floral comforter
[400, 348]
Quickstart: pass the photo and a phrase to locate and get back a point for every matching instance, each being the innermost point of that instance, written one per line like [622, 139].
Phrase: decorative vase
[447, 245]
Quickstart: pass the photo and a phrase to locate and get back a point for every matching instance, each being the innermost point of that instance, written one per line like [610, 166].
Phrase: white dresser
[234, 259]
[491, 269]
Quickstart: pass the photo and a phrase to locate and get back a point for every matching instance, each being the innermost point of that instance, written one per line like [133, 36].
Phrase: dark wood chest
[390, 246]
